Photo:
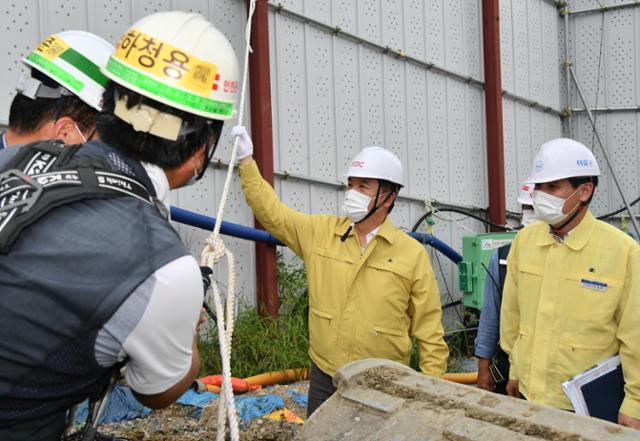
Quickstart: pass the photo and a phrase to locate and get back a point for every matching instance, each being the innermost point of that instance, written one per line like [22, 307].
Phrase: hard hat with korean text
[563, 158]
[72, 59]
[179, 59]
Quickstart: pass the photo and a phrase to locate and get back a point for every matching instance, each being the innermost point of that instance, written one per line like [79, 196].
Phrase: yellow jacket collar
[576, 239]
[387, 229]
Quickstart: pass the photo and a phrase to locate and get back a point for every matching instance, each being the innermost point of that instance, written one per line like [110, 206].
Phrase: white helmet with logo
[525, 196]
[181, 60]
[563, 158]
[377, 163]
[73, 60]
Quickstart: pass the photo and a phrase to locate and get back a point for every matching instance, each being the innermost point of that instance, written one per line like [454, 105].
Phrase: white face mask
[548, 208]
[356, 204]
[528, 217]
[194, 178]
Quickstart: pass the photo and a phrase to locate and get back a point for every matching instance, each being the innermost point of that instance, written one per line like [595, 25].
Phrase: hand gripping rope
[212, 253]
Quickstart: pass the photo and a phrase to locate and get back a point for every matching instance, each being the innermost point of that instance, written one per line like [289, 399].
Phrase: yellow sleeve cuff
[249, 169]
[630, 408]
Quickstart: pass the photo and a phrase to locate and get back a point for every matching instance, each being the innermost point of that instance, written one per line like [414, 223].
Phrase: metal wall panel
[609, 79]
[531, 68]
[20, 31]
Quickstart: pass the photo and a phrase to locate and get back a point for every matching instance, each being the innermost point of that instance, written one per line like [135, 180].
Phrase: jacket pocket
[529, 281]
[590, 301]
[521, 363]
[577, 353]
[321, 333]
[383, 342]
[333, 255]
[389, 331]
[395, 268]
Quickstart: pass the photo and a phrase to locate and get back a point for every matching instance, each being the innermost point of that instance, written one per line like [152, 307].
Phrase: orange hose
[461, 377]
[278, 377]
[213, 388]
[238, 385]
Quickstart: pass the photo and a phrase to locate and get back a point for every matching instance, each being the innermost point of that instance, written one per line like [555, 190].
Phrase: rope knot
[214, 249]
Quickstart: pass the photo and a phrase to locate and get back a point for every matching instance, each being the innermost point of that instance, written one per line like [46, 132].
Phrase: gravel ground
[177, 422]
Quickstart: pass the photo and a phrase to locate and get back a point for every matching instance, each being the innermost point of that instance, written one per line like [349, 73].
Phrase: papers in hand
[598, 391]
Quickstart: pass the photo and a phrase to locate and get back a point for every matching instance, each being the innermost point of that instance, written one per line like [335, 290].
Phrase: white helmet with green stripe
[73, 60]
[181, 60]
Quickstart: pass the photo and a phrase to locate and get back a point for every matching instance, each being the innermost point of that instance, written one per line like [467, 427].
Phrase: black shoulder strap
[43, 176]
[503, 252]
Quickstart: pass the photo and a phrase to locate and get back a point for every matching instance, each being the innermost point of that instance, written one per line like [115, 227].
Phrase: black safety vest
[72, 256]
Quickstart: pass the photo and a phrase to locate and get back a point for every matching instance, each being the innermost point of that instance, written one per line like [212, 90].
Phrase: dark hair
[145, 146]
[579, 180]
[388, 186]
[28, 115]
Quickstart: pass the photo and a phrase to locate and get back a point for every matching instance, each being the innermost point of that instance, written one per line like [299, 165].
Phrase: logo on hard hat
[584, 162]
[539, 166]
[357, 164]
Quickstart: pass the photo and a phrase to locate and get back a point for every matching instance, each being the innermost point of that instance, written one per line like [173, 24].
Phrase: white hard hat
[377, 163]
[563, 158]
[525, 195]
[181, 60]
[73, 60]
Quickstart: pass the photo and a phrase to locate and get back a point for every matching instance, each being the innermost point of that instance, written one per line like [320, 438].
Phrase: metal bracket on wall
[633, 4]
[610, 109]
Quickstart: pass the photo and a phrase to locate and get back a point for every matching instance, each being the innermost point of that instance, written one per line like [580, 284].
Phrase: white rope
[212, 253]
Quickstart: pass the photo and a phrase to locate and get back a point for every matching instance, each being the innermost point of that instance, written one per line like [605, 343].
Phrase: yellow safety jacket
[360, 305]
[569, 305]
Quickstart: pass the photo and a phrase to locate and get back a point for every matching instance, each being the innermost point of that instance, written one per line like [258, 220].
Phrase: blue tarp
[298, 397]
[250, 408]
[124, 406]
[199, 400]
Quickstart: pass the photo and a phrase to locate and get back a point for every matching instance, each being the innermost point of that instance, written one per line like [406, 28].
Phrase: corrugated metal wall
[610, 80]
[336, 89]
[531, 68]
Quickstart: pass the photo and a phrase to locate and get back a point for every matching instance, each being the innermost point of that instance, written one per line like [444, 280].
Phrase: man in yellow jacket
[572, 295]
[371, 286]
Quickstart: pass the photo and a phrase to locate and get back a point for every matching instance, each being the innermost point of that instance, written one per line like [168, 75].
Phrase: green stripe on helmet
[170, 93]
[84, 65]
[59, 74]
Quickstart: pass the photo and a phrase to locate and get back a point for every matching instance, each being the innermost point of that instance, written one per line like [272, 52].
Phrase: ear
[181, 174]
[64, 129]
[390, 200]
[585, 191]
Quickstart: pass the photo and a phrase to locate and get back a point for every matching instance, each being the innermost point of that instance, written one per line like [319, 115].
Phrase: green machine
[476, 251]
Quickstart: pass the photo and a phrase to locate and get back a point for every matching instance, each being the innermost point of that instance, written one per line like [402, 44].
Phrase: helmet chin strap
[371, 212]
[576, 211]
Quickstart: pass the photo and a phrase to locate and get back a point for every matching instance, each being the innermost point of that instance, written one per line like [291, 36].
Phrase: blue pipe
[227, 228]
[236, 230]
[439, 245]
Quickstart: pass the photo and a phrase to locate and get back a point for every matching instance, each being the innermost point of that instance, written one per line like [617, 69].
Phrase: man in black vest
[493, 363]
[92, 275]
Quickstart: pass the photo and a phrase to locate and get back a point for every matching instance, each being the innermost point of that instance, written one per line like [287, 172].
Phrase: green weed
[263, 344]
